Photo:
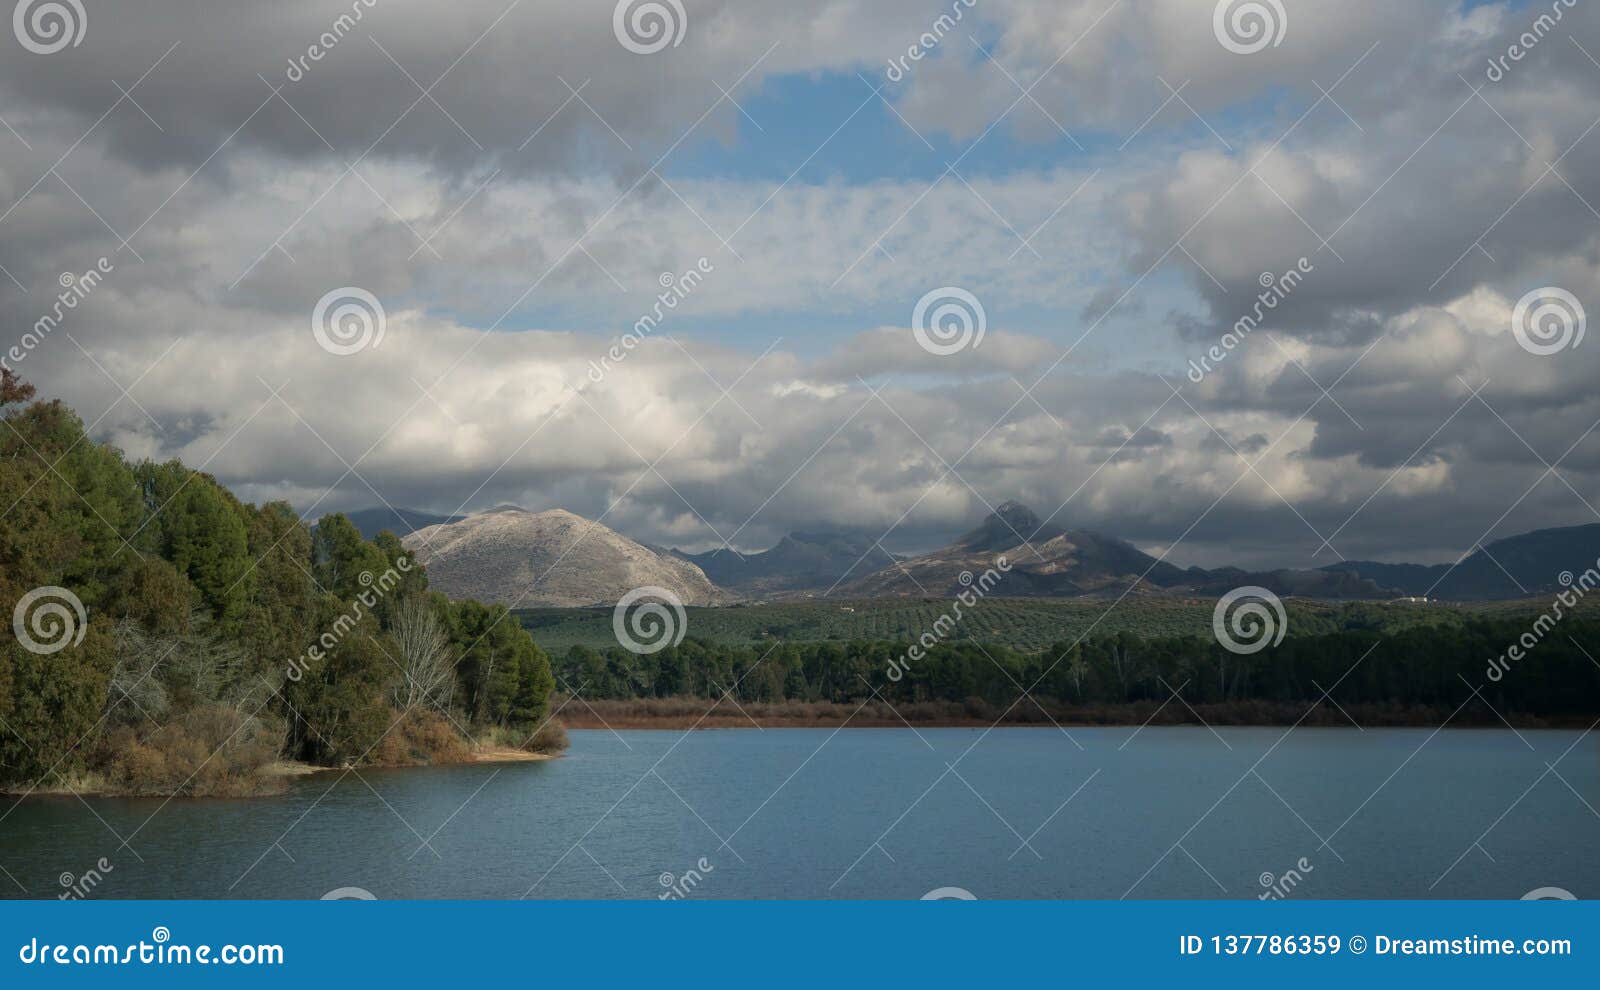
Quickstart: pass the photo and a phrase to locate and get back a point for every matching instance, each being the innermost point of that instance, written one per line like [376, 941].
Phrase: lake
[865, 813]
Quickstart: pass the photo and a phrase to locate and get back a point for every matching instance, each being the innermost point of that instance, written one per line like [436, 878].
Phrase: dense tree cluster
[218, 636]
[1424, 666]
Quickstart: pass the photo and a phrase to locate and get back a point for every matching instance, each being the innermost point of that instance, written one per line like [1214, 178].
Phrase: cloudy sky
[943, 255]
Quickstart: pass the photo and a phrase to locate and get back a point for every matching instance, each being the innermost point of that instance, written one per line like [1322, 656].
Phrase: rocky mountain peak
[1009, 525]
[511, 556]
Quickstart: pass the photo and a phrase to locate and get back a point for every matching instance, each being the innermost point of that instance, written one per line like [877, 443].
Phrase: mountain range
[1047, 560]
[800, 562]
[1515, 567]
[513, 556]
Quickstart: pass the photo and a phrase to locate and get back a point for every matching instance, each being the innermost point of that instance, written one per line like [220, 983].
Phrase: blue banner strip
[798, 943]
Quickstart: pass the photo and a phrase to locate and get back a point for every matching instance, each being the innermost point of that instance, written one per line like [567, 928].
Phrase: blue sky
[827, 129]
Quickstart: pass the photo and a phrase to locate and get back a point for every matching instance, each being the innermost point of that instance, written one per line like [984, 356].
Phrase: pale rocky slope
[511, 556]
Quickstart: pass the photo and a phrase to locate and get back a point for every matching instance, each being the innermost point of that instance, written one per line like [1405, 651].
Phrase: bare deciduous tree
[135, 692]
[425, 656]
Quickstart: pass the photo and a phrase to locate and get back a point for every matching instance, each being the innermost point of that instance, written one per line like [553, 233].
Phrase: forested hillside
[1414, 675]
[1028, 625]
[169, 638]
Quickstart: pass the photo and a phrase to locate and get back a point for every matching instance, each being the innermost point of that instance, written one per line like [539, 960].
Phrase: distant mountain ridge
[1513, 567]
[510, 556]
[801, 561]
[504, 551]
[1048, 560]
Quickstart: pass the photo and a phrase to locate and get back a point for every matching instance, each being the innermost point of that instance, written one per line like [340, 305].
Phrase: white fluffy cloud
[786, 389]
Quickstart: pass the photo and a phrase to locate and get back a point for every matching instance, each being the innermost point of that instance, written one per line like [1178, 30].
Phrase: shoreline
[487, 754]
[279, 771]
[505, 754]
[700, 714]
[676, 724]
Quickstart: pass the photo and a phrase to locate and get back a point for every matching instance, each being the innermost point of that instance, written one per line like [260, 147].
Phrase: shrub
[212, 751]
[551, 738]
[421, 738]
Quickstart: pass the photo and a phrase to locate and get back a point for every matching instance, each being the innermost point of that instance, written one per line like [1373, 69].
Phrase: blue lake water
[865, 813]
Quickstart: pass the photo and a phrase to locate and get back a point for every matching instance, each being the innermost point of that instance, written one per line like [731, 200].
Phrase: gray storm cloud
[509, 224]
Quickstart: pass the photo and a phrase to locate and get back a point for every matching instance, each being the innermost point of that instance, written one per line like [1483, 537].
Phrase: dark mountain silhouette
[1050, 560]
[1515, 567]
[801, 561]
